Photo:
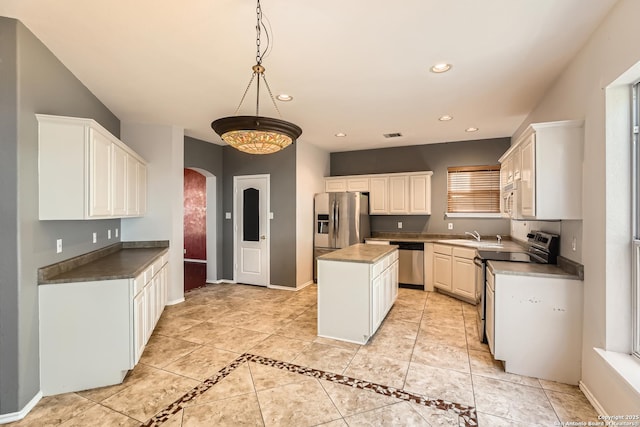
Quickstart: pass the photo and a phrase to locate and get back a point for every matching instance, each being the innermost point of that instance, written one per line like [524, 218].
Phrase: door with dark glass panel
[251, 229]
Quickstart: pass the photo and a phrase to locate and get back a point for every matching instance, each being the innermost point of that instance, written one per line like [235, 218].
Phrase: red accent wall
[195, 215]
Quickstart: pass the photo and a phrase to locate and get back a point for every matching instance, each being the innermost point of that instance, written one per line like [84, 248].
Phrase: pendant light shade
[257, 134]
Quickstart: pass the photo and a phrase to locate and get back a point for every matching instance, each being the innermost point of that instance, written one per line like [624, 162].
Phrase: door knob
[263, 237]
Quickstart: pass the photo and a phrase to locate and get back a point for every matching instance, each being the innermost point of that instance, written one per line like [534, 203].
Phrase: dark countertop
[124, 260]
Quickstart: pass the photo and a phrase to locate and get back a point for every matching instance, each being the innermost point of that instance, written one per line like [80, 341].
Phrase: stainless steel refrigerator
[340, 220]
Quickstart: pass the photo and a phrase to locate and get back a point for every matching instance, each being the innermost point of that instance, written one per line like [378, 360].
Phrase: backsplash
[520, 229]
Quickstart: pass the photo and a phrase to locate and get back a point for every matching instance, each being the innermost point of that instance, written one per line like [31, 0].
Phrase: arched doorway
[199, 228]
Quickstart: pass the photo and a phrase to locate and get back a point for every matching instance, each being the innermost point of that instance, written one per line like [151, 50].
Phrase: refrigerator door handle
[337, 220]
[333, 220]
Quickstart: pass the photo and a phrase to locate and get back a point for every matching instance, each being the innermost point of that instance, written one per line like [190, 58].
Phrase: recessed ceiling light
[284, 97]
[341, 134]
[441, 68]
[471, 129]
[445, 118]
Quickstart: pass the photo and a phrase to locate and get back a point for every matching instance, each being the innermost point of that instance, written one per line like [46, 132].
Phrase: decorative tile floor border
[466, 413]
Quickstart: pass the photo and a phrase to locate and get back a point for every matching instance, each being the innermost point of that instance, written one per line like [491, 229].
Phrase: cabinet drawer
[442, 249]
[165, 258]
[377, 268]
[464, 253]
[138, 283]
[156, 266]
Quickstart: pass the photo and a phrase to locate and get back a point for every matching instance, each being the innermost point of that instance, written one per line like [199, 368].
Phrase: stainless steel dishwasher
[411, 264]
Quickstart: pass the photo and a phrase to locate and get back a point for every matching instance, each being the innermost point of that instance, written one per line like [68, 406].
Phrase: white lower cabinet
[93, 333]
[454, 271]
[355, 297]
[489, 316]
[540, 316]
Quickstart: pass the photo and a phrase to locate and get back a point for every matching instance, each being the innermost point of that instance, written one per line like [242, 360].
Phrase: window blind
[473, 189]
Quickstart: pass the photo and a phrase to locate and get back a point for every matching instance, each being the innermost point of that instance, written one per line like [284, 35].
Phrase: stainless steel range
[542, 248]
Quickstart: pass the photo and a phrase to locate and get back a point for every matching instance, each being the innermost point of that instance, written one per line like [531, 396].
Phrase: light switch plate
[270, 215]
[399, 224]
[109, 234]
[59, 246]
[95, 237]
[450, 226]
[116, 233]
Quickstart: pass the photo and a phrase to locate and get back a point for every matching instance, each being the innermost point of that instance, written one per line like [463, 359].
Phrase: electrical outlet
[574, 243]
[227, 215]
[116, 233]
[450, 226]
[95, 237]
[59, 246]
[109, 234]
[399, 224]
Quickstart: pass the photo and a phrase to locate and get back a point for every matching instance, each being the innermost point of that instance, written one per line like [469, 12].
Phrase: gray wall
[33, 81]
[433, 157]
[282, 168]
[208, 156]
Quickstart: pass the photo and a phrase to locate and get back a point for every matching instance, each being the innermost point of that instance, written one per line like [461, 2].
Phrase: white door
[251, 229]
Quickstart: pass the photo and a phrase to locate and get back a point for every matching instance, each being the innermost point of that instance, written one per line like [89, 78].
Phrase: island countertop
[360, 252]
[123, 260]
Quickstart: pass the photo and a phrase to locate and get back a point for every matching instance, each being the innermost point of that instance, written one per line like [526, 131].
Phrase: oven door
[481, 289]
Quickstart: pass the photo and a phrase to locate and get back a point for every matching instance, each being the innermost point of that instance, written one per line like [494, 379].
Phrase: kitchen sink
[471, 243]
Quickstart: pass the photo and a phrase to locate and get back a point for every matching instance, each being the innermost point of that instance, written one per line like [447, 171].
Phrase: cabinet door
[527, 189]
[139, 326]
[378, 202]
[142, 189]
[394, 281]
[358, 184]
[99, 174]
[442, 271]
[489, 316]
[377, 289]
[119, 182]
[420, 194]
[150, 305]
[132, 186]
[398, 194]
[463, 277]
[335, 185]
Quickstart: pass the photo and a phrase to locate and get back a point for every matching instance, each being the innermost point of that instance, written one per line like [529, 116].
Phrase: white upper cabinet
[87, 173]
[549, 157]
[379, 195]
[389, 194]
[420, 194]
[398, 195]
[342, 183]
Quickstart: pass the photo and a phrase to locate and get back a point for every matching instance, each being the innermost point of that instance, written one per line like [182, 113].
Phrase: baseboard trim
[175, 301]
[220, 281]
[282, 288]
[17, 416]
[592, 399]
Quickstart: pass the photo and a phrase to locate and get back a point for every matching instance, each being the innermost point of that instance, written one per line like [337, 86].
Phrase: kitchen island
[357, 287]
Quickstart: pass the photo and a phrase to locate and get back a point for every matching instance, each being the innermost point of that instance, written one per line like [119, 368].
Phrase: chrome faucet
[499, 237]
[475, 234]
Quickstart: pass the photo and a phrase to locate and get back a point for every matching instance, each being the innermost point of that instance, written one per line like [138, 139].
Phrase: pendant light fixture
[257, 134]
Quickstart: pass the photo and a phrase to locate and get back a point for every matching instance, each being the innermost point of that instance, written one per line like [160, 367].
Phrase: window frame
[475, 214]
[635, 215]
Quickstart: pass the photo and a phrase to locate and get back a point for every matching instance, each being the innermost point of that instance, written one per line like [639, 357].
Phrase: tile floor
[243, 355]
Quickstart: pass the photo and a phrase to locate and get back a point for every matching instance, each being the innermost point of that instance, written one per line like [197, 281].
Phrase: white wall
[162, 146]
[312, 165]
[590, 89]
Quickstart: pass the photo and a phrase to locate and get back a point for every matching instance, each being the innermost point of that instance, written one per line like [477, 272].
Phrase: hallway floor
[242, 355]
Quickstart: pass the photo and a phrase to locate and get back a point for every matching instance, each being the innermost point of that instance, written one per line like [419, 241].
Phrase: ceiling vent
[392, 135]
